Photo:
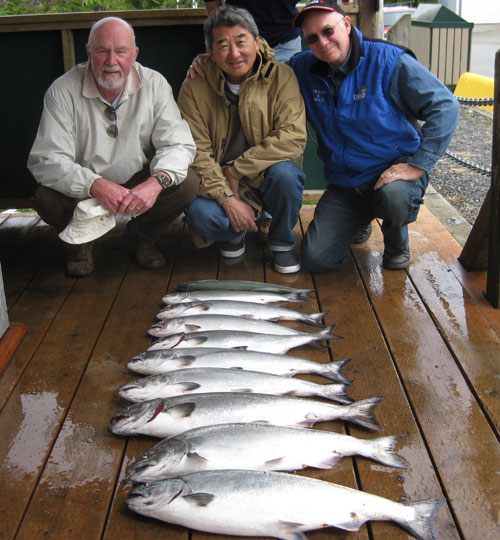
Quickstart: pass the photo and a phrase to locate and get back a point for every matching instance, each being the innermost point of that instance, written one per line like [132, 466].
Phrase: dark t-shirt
[274, 18]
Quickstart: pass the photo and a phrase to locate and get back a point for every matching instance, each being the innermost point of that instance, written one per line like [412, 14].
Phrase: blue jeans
[284, 51]
[341, 212]
[281, 193]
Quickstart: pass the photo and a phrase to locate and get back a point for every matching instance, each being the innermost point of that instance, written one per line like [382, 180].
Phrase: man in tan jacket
[247, 118]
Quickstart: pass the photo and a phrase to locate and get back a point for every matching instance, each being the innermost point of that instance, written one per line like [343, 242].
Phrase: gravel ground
[464, 188]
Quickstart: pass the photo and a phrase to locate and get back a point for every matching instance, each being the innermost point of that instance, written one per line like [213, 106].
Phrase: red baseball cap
[326, 5]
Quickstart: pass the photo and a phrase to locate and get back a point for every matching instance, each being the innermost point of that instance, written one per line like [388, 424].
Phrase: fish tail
[327, 333]
[332, 371]
[315, 319]
[422, 526]
[384, 452]
[335, 392]
[305, 293]
[361, 412]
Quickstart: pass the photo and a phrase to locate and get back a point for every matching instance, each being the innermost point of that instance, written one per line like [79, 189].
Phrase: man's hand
[197, 68]
[234, 183]
[119, 200]
[399, 171]
[240, 214]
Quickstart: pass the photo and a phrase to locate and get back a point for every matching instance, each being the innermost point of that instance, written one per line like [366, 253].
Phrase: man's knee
[286, 173]
[317, 260]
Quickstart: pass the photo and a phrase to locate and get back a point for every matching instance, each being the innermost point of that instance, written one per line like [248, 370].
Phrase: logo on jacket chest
[360, 95]
[319, 95]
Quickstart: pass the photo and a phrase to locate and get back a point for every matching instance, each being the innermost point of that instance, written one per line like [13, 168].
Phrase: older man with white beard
[111, 130]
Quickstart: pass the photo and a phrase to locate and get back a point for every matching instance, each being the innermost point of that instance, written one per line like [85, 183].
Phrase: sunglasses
[110, 113]
[327, 33]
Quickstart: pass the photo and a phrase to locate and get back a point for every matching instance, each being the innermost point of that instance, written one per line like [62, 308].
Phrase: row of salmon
[219, 390]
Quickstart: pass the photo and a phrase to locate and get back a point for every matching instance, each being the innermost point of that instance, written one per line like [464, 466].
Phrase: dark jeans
[57, 209]
[281, 192]
[341, 212]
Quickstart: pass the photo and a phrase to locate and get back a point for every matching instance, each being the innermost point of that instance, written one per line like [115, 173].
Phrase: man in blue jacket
[382, 120]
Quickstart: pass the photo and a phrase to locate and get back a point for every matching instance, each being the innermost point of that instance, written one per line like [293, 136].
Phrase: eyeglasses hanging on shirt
[110, 113]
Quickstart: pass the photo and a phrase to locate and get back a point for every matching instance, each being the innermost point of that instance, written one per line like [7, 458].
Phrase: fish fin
[191, 327]
[259, 422]
[187, 386]
[197, 340]
[329, 462]
[181, 411]
[199, 499]
[361, 412]
[275, 461]
[421, 526]
[241, 347]
[242, 390]
[383, 452]
[288, 530]
[308, 421]
[186, 360]
[195, 456]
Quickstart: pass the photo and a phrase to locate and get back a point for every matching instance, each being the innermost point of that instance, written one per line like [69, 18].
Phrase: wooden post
[493, 278]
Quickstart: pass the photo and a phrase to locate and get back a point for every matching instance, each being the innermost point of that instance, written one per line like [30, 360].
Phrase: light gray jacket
[72, 148]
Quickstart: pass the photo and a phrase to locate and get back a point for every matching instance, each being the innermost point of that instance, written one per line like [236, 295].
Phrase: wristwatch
[164, 180]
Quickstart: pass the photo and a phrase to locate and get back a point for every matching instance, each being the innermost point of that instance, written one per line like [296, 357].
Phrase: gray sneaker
[285, 262]
[231, 251]
[396, 261]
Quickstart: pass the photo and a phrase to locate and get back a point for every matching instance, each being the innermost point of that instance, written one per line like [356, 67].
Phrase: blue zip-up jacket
[362, 133]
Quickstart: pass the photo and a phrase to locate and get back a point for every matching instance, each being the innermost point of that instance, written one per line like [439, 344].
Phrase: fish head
[148, 498]
[147, 362]
[142, 389]
[160, 461]
[177, 298]
[130, 420]
[167, 327]
[179, 310]
[168, 342]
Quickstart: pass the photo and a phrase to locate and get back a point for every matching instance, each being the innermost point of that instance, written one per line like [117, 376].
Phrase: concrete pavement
[485, 44]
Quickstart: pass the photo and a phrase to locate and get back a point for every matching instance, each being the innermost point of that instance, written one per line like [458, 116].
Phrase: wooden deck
[425, 339]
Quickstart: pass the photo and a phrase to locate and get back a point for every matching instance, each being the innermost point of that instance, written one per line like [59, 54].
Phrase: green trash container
[441, 40]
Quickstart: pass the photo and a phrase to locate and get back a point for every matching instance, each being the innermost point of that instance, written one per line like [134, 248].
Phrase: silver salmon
[204, 380]
[241, 296]
[239, 285]
[170, 416]
[252, 310]
[258, 447]
[197, 323]
[253, 341]
[164, 360]
[274, 504]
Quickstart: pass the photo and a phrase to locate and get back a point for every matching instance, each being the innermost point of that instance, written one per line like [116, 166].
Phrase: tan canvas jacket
[272, 115]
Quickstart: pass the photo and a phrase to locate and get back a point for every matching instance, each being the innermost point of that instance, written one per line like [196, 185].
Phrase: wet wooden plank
[372, 370]
[471, 335]
[23, 249]
[84, 464]
[39, 290]
[190, 264]
[32, 417]
[460, 440]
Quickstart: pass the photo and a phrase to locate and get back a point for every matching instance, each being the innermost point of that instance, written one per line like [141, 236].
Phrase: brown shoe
[148, 256]
[80, 262]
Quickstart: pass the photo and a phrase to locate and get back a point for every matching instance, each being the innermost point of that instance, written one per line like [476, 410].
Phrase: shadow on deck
[425, 339]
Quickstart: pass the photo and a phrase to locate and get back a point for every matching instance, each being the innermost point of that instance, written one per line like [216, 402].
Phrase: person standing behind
[366, 99]
[248, 120]
[274, 21]
[110, 129]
